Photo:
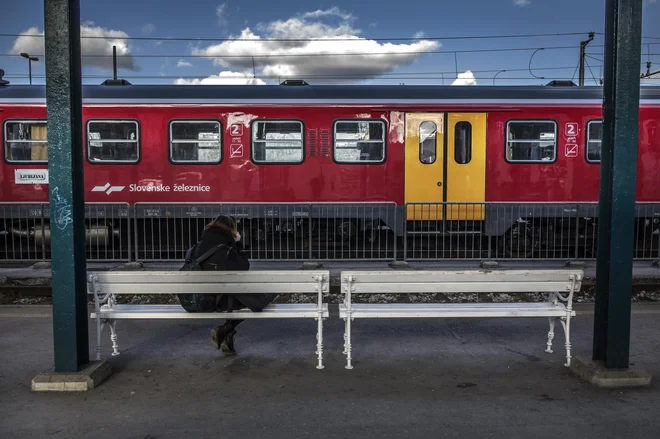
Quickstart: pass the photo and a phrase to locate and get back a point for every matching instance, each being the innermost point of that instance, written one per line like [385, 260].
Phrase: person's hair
[224, 222]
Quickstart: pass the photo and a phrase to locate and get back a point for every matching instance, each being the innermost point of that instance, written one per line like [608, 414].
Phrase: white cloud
[466, 78]
[359, 58]
[419, 35]
[90, 46]
[183, 63]
[332, 12]
[221, 13]
[224, 78]
[521, 3]
[148, 29]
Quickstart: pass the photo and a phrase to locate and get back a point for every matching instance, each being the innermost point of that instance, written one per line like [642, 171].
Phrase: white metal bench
[106, 286]
[560, 284]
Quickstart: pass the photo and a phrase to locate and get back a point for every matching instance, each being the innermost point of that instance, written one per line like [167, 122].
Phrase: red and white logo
[108, 189]
[236, 151]
[571, 150]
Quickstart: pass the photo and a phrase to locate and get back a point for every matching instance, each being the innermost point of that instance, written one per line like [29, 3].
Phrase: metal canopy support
[618, 171]
[65, 166]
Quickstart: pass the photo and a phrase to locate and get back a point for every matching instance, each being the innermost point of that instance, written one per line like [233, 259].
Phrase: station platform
[421, 379]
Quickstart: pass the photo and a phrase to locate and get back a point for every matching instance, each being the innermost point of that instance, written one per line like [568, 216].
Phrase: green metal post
[65, 166]
[618, 171]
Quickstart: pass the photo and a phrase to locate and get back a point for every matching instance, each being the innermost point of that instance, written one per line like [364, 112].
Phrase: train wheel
[345, 230]
[518, 242]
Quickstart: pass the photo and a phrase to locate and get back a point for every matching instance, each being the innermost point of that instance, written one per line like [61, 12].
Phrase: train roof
[323, 93]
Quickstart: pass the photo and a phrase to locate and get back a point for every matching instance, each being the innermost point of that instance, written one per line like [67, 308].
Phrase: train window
[26, 141]
[427, 143]
[463, 143]
[195, 141]
[531, 141]
[277, 141]
[359, 141]
[594, 139]
[113, 141]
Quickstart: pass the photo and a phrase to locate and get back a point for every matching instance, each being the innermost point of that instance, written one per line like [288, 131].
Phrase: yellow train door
[424, 165]
[445, 160]
[466, 166]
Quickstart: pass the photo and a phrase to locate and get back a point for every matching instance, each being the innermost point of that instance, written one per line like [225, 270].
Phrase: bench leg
[99, 332]
[566, 323]
[113, 338]
[347, 343]
[551, 334]
[319, 342]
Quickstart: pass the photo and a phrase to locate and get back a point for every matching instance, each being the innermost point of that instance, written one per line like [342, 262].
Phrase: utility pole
[583, 46]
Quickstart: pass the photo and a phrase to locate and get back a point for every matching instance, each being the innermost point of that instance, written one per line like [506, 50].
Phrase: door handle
[439, 184]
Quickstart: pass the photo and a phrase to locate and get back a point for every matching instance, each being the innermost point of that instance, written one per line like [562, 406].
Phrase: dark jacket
[231, 258]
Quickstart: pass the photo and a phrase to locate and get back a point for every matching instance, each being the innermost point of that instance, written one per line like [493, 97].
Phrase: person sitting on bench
[230, 257]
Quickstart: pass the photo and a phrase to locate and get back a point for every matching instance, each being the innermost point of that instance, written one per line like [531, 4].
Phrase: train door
[466, 166]
[445, 161]
[424, 156]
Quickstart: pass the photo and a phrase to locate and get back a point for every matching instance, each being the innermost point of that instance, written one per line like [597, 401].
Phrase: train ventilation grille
[312, 140]
[325, 143]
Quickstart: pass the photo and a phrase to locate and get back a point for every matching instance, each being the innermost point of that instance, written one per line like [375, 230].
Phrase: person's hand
[237, 236]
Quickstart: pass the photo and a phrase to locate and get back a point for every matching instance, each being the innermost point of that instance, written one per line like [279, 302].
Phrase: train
[517, 163]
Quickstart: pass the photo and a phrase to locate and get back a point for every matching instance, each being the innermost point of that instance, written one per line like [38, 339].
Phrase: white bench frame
[559, 284]
[106, 286]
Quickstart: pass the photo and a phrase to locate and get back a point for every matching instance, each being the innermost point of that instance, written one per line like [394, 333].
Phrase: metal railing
[271, 232]
[517, 231]
[25, 232]
[333, 231]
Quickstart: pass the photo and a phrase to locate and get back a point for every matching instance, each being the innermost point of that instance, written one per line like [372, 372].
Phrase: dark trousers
[235, 302]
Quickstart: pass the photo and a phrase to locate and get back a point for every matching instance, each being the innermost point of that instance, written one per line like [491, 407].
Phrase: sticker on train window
[113, 141]
[359, 141]
[531, 141]
[26, 141]
[195, 141]
[277, 141]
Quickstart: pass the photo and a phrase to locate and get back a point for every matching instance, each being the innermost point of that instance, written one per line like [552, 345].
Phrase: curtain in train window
[359, 142]
[277, 141]
[26, 141]
[594, 140]
[113, 141]
[427, 142]
[531, 141]
[193, 141]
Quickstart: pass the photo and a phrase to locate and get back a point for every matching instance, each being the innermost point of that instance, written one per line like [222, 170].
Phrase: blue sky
[339, 19]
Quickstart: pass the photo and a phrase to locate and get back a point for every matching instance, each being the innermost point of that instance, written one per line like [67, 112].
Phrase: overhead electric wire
[329, 39]
[288, 55]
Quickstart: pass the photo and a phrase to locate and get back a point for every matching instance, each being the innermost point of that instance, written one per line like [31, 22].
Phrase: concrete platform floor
[426, 378]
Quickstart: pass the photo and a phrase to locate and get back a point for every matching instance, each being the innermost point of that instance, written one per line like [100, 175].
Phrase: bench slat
[272, 276]
[452, 310]
[217, 287]
[463, 276]
[400, 286]
[281, 311]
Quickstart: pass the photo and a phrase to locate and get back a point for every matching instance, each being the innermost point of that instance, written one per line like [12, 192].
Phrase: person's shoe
[218, 334]
[227, 344]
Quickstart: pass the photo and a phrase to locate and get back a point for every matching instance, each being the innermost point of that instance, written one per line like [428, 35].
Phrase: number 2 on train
[571, 129]
[236, 129]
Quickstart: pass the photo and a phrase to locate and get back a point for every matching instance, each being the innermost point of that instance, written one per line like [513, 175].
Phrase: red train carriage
[461, 159]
